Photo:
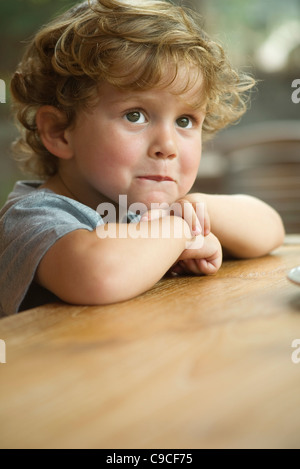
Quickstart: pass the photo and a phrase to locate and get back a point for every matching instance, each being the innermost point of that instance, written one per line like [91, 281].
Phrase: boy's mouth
[157, 178]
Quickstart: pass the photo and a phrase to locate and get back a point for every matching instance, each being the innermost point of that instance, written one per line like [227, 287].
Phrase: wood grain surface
[196, 362]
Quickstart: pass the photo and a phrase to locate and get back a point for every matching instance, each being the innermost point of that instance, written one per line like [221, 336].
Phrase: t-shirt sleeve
[28, 228]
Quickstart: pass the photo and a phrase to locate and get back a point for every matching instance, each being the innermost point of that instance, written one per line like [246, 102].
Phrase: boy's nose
[163, 143]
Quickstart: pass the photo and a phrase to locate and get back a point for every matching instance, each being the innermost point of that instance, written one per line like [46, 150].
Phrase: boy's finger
[207, 226]
[184, 209]
[203, 217]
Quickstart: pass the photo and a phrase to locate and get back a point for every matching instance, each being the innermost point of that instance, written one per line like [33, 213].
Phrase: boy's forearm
[82, 268]
[245, 226]
[142, 253]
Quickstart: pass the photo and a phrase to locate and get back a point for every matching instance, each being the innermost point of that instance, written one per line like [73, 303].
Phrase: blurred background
[259, 155]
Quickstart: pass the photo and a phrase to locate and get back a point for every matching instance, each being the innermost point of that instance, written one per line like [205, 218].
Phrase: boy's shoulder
[27, 202]
[31, 221]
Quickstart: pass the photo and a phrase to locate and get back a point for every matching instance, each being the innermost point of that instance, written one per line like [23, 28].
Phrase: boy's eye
[135, 117]
[184, 122]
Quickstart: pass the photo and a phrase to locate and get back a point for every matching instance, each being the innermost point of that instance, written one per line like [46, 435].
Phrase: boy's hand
[207, 260]
[194, 213]
[204, 254]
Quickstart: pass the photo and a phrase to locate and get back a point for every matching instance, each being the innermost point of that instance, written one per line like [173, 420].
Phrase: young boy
[114, 98]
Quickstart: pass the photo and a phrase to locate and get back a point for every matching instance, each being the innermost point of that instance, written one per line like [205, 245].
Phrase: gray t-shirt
[31, 221]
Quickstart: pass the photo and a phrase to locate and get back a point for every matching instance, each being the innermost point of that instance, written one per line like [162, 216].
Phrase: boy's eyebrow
[125, 96]
[197, 104]
[124, 99]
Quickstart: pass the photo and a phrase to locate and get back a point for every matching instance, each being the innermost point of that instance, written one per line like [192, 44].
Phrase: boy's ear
[51, 124]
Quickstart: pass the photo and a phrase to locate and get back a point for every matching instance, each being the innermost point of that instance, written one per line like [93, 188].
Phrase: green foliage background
[19, 20]
[240, 25]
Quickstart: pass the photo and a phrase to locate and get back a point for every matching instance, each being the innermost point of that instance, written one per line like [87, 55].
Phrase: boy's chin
[145, 202]
[158, 198]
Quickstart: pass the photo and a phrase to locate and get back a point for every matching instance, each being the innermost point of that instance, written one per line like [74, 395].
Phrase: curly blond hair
[128, 44]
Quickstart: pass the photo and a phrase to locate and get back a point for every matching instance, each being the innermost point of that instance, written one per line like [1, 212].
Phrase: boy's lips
[157, 178]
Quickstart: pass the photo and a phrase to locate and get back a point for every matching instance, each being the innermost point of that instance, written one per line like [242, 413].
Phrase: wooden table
[197, 362]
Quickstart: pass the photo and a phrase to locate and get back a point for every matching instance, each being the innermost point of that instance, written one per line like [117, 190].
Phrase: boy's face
[143, 144]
